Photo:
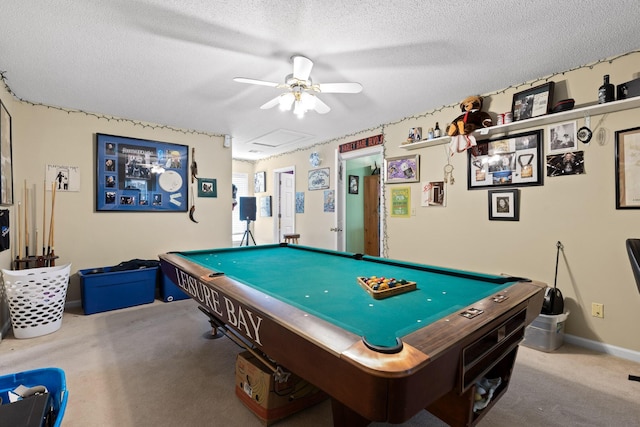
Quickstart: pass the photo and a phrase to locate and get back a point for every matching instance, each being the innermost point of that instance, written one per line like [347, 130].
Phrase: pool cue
[26, 220]
[51, 225]
[19, 255]
[44, 214]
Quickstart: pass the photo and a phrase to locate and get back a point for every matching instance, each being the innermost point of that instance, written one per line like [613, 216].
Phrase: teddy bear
[462, 128]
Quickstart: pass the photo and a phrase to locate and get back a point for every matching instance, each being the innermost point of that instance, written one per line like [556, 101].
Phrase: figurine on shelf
[462, 128]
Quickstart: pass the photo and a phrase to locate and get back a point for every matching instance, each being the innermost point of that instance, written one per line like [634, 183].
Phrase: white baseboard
[613, 350]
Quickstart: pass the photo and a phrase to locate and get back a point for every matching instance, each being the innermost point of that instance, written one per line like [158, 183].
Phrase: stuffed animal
[464, 125]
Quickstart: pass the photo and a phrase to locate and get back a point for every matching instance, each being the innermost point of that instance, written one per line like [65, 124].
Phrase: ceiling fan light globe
[298, 109]
[308, 101]
[286, 101]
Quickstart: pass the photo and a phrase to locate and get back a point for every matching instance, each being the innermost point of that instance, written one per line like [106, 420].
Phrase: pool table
[378, 359]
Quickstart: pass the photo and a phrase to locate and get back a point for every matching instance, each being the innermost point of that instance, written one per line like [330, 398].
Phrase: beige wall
[86, 238]
[577, 210]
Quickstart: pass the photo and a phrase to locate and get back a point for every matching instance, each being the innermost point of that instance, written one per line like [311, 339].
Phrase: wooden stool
[291, 238]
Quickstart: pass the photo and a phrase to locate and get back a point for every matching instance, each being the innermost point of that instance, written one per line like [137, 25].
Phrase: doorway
[353, 232]
[284, 202]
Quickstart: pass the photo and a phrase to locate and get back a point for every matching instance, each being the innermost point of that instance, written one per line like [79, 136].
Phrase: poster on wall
[299, 202]
[401, 202]
[140, 175]
[62, 178]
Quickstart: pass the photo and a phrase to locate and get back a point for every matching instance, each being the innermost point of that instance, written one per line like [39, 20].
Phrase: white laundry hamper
[36, 299]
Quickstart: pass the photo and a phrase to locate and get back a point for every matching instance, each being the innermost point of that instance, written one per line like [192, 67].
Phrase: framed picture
[329, 203]
[569, 163]
[532, 102]
[627, 151]
[433, 194]
[207, 187]
[6, 157]
[354, 184]
[260, 182]
[299, 202]
[401, 202]
[507, 161]
[561, 137]
[319, 179]
[140, 175]
[403, 169]
[504, 205]
[265, 206]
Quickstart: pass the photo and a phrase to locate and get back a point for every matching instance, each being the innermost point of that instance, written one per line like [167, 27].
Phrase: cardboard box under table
[267, 398]
[105, 289]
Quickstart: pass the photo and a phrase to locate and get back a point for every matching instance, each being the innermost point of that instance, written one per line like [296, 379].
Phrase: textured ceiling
[173, 62]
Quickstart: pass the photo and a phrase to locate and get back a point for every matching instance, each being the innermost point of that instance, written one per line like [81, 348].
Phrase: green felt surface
[324, 283]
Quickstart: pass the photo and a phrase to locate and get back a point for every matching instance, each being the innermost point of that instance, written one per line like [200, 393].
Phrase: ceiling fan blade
[255, 82]
[270, 104]
[302, 67]
[321, 107]
[340, 87]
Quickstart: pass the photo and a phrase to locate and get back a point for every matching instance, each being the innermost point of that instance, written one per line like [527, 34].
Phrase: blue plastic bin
[105, 289]
[169, 291]
[52, 378]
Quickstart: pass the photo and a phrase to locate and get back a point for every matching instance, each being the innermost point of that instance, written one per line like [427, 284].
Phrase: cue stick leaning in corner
[51, 224]
[26, 219]
[44, 214]
[19, 254]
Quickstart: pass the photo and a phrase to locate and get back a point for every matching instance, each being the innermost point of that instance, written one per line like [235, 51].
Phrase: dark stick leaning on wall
[194, 175]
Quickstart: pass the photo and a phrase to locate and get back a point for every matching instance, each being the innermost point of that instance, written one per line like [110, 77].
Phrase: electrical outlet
[597, 310]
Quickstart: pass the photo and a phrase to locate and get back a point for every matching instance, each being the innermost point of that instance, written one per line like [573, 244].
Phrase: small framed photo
[532, 102]
[403, 169]
[207, 187]
[562, 137]
[319, 179]
[504, 205]
[260, 182]
[354, 184]
[627, 169]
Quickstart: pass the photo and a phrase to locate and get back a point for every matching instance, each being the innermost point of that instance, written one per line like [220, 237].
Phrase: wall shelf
[427, 143]
[583, 112]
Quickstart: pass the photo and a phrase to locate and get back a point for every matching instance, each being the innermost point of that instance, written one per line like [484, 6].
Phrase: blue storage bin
[169, 291]
[52, 378]
[103, 289]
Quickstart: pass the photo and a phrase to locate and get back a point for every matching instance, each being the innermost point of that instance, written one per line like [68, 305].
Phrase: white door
[287, 204]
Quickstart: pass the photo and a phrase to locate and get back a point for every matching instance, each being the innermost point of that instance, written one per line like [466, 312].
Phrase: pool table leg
[343, 416]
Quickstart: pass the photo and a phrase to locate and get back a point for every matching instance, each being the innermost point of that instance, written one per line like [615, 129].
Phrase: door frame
[276, 199]
[341, 194]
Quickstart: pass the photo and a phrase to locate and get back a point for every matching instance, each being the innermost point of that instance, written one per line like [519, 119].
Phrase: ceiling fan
[300, 89]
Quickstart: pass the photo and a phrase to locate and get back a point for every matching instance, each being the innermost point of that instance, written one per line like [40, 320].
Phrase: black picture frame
[354, 184]
[207, 187]
[507, 161]
[135, 174]
[627, 168]
[6, 154]
[532, 102]
[504, 205]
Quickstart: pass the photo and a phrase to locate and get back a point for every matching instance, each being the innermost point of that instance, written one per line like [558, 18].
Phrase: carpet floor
[155, 365]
